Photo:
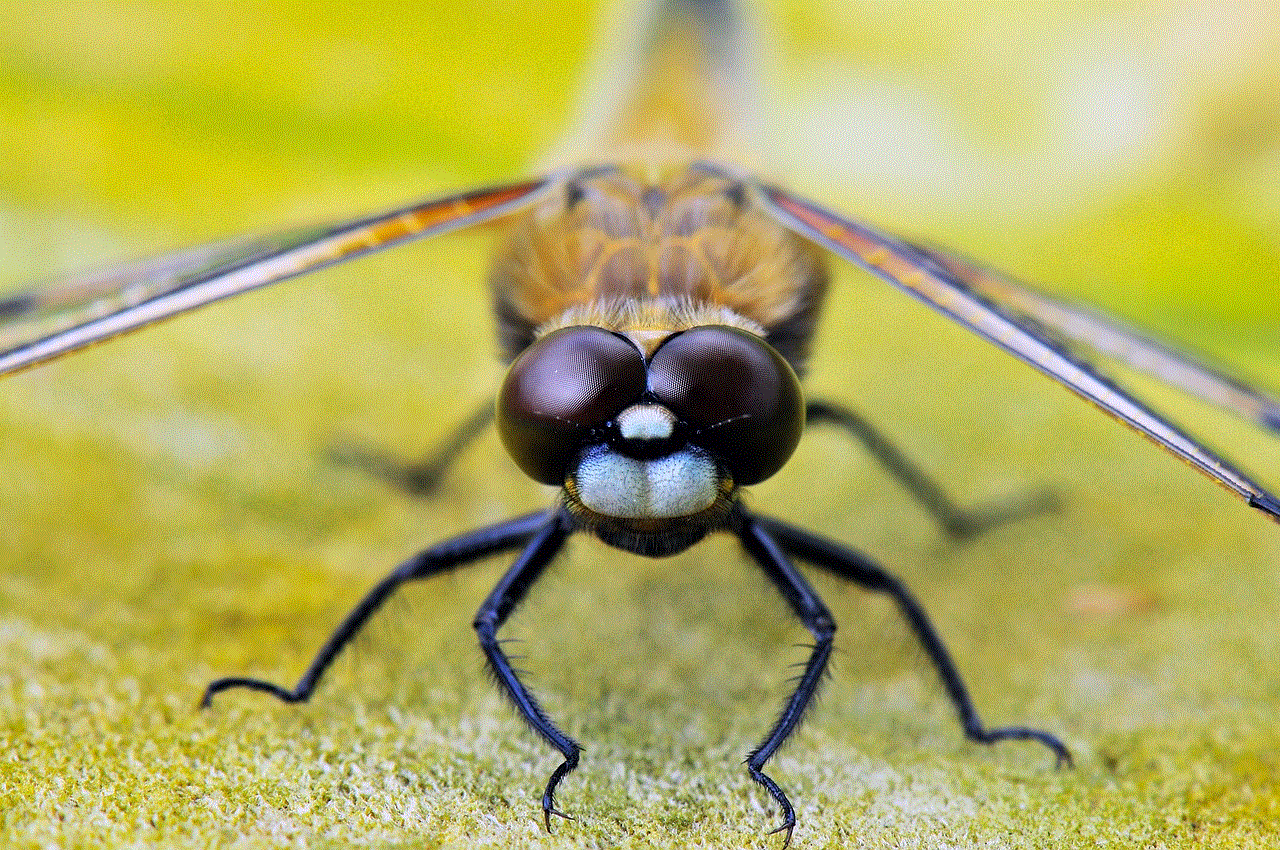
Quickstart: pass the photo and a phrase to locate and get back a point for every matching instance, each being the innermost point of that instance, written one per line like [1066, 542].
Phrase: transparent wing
[1109, 336]
[928, 279]
[44, 322]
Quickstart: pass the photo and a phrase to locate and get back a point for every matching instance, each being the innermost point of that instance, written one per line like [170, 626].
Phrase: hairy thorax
[656, 251]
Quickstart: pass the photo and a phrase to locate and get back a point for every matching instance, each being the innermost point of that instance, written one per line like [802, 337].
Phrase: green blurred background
[169, 514]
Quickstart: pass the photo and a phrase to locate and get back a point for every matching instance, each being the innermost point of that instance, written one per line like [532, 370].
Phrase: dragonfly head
[650, 449]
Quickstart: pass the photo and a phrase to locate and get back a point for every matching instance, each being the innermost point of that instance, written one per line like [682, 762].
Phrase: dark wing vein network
[55, 305]
[930, 277]
[45, 322]
[1110, 337]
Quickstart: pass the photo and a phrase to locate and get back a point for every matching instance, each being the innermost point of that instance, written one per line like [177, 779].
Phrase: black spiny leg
[855, 567]
[955, 520]
[758, 542]
[451, 553]
[504, 598]
[422, 477]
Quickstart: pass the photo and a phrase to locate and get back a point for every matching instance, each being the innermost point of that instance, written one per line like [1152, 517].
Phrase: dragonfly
[656, 307]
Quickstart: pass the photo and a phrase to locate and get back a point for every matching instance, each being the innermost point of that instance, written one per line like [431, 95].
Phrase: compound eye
[560, 388]
[741, 397]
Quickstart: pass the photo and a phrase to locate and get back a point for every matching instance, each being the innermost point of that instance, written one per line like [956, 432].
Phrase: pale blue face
[680, 484]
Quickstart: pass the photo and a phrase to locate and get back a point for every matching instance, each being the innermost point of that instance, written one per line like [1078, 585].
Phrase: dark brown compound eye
[560, 388]
[740, 396]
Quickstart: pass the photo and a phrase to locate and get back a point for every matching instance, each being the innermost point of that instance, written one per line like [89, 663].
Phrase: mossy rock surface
[170, 514]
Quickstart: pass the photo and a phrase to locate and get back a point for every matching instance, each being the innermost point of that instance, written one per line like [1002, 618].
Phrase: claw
[789, 827]
[548, 812]
[788, 813]
[1061, 755]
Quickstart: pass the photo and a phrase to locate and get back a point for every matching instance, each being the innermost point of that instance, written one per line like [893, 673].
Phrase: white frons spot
[680, 484]
[646, 422]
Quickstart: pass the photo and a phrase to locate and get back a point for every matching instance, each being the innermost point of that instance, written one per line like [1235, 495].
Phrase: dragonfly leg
[421, 477]
[957, 521]
[855, 567]
[502, 600]
[807, 605]
[443, 556]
